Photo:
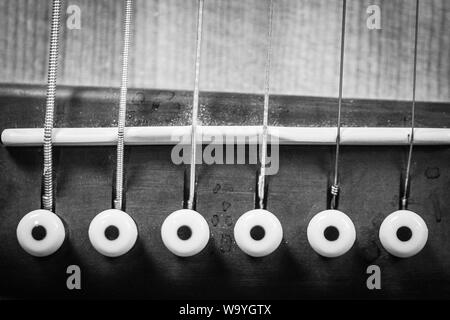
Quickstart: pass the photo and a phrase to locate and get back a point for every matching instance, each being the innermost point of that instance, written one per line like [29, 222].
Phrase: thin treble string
[47, 197]
[118, 201]
[262, 175]
[413, 112]
[335, 186]
[195, 102]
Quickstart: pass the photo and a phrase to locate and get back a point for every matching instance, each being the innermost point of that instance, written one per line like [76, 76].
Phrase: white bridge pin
[113, 233]
[185, 232]
[258, 233]
[40, 233]
[331, 233]
[403, 233]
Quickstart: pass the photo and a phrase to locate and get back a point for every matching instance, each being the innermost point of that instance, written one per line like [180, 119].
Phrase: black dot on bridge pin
[112, 233]
[257, 233]
[404, 234]
[331, 233]
[184, 232]
[39, 233]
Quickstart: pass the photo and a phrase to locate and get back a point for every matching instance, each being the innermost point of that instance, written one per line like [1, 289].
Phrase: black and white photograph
[224, 154]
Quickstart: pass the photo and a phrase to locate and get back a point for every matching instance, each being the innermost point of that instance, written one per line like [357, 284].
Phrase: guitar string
[262, 175]
[47, 197]
[192, 181]
[118, 201]
[413, 111]
[335, 186]
[51, 92]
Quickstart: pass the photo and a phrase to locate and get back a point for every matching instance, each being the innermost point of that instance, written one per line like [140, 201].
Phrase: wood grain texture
[370, 181]
[98, 107]
[305, 48]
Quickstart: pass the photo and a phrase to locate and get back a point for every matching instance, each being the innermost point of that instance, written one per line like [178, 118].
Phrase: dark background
[370, 179]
